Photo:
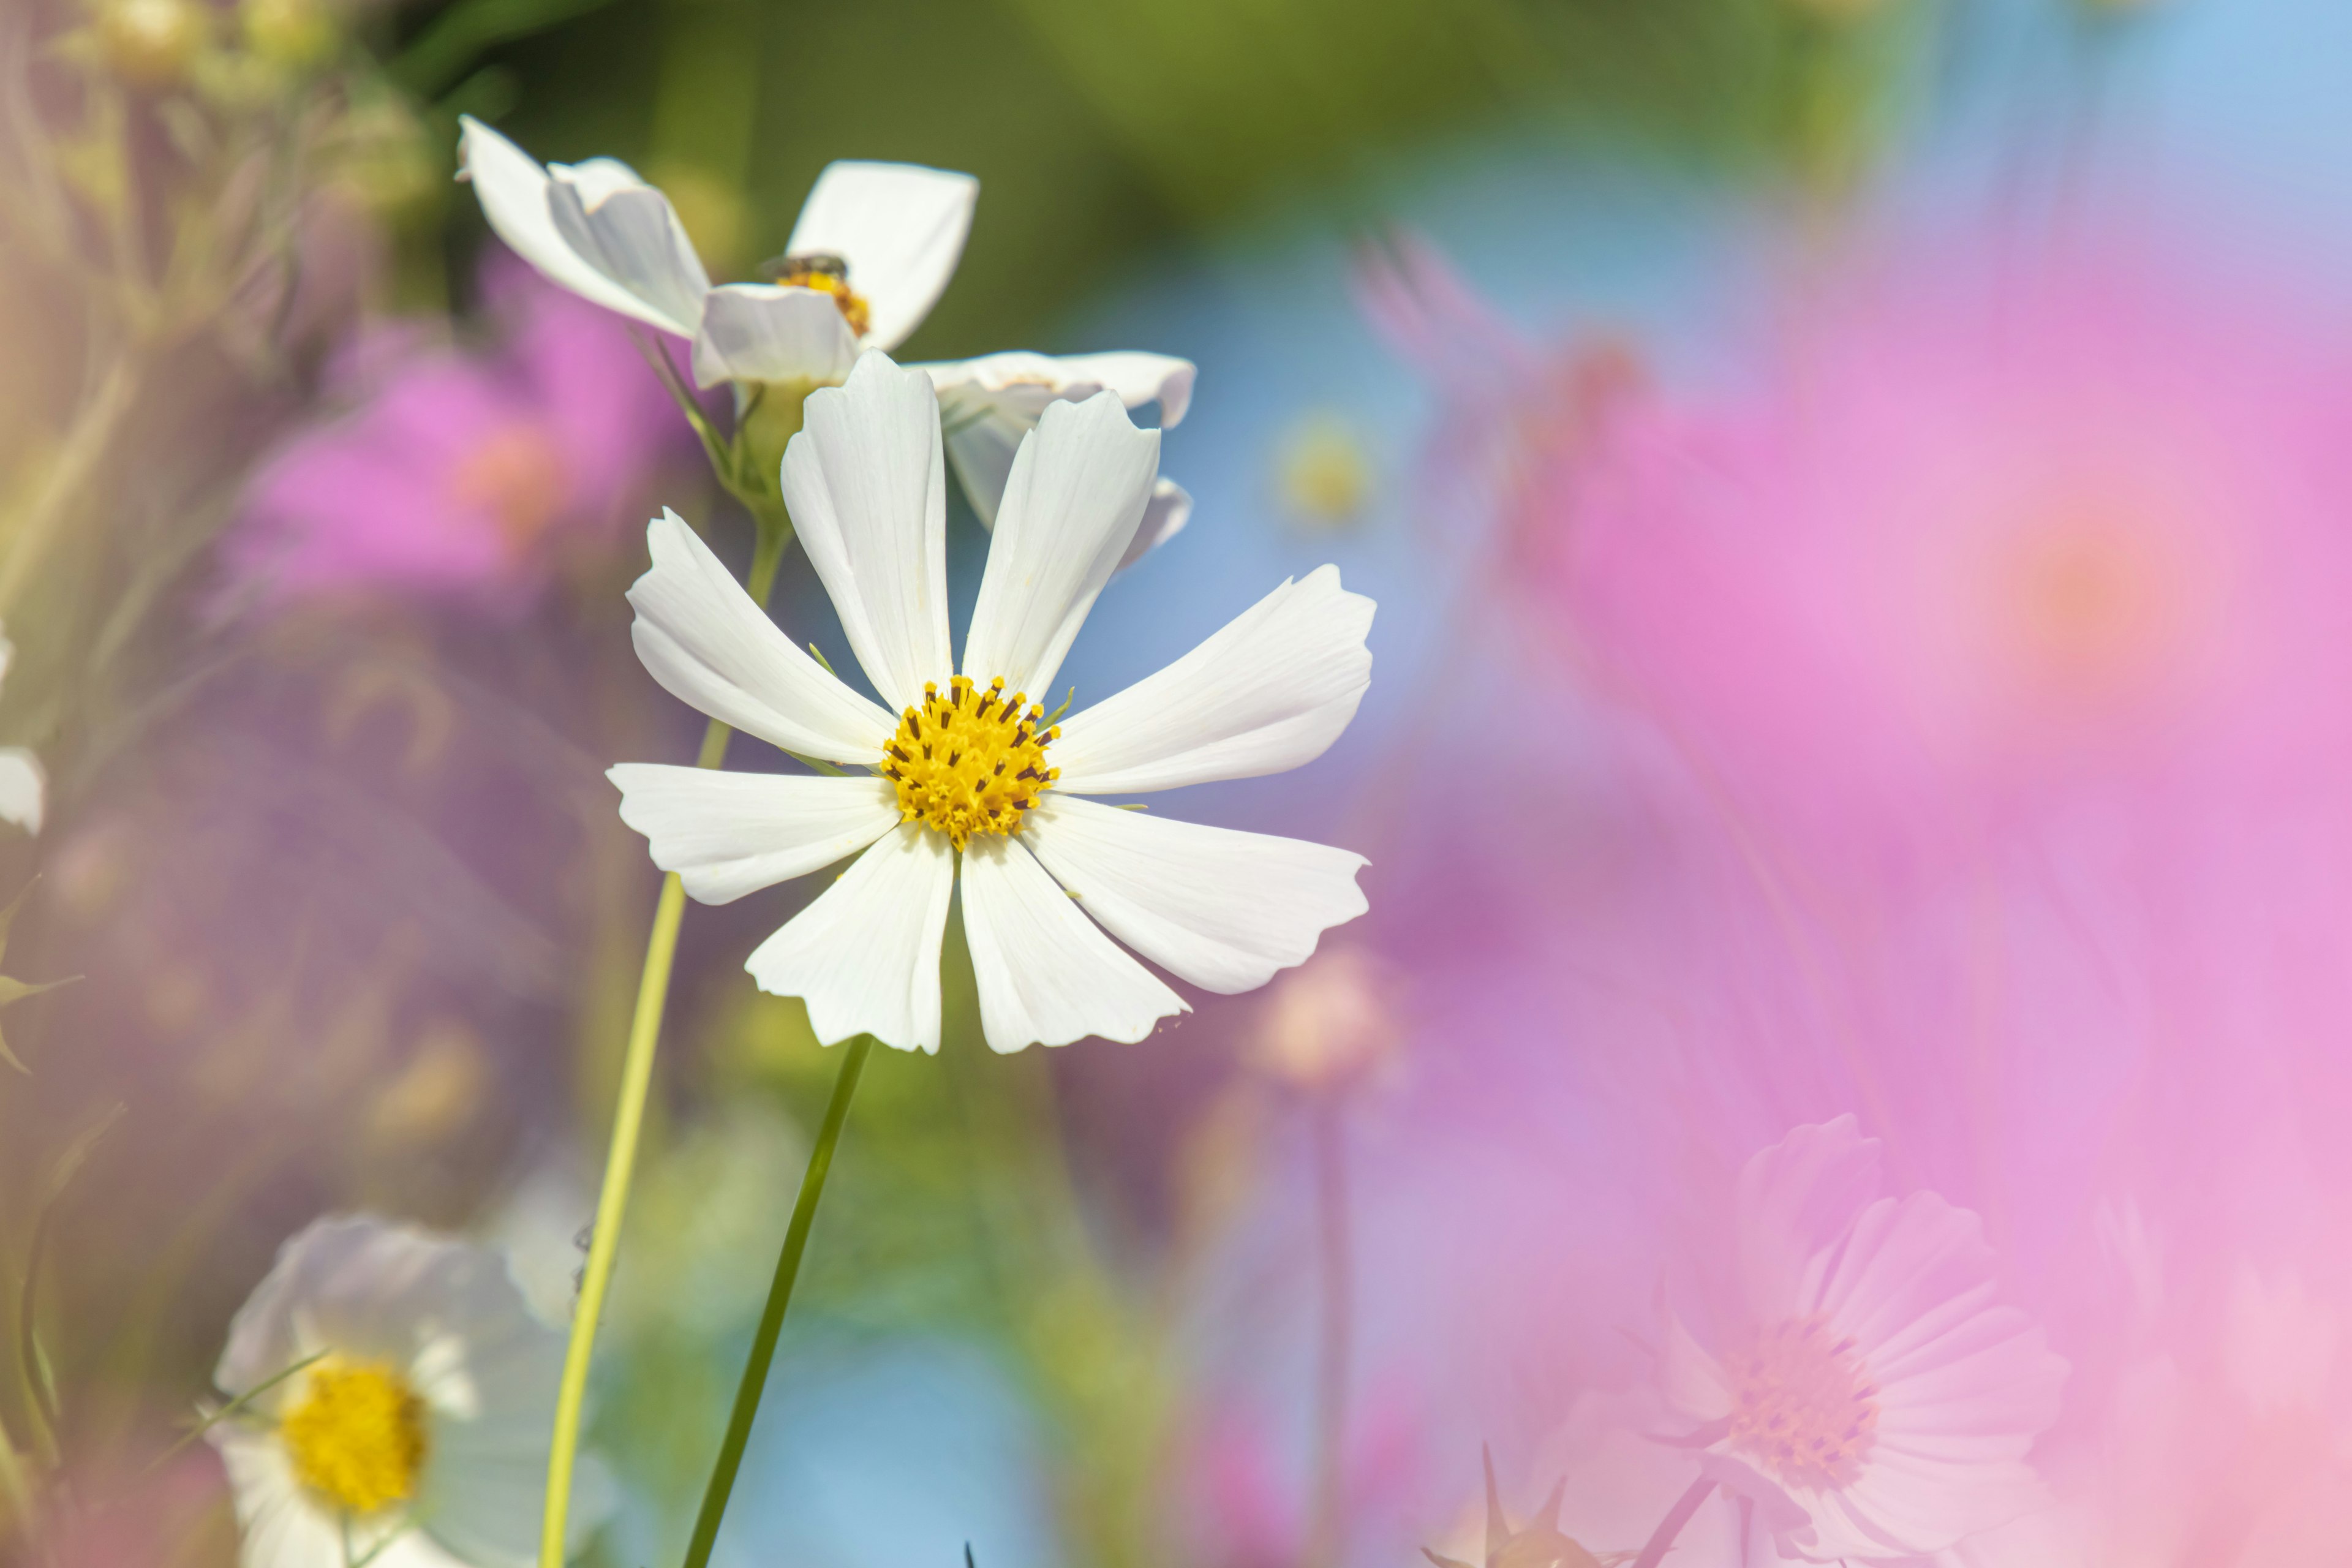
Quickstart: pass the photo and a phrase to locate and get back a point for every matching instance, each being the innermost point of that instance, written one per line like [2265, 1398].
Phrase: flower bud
[293, 35]
[1330, 1021]
[150, 43]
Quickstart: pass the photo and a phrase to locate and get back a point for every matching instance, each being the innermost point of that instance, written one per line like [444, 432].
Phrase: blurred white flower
[970, 769]
[1871, 1401]
[870, 255]
[24, 787]
[411, 1431]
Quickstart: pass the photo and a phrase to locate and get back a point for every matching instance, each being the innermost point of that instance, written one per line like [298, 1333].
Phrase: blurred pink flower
[463, 474]
[1869, 1400]
[1981, 533]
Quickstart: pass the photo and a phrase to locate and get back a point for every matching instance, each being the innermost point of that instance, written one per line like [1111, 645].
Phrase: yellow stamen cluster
[826, 275]
[971, 761]
[356, 1435]
[1802, 1403]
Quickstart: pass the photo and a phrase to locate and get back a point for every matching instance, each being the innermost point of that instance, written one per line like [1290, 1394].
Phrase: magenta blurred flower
[1869, 1399]
[458, 474]
[1981, 533]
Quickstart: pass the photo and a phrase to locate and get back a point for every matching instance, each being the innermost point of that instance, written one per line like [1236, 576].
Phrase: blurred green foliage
[1102, 132]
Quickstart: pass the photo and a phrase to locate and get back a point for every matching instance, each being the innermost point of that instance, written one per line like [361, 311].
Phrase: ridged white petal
[1076, 497]
[729, 834]
[1271, 689]
[1221, 909]
[901, 227]
[865, 955]
[762, 332]
[1164, 517]
[513, 191]
[867, 490]
[1047, 975]
[699, 635]
[627, 231]
[989, 404]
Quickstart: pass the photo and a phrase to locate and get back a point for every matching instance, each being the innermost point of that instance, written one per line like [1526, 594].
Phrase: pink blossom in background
[463, 474]
[1986, 530]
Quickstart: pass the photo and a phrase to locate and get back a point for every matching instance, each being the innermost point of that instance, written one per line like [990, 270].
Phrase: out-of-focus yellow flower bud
[292, 36]
[1322, 471]
[1328, 1023]
[152, 43]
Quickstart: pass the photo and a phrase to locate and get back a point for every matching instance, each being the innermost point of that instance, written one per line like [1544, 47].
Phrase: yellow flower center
[357, 1435]
[826, 275]
[1802, 1403]
[971, 761]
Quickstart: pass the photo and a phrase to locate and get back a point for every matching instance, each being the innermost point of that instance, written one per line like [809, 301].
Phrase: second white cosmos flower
[970, 769]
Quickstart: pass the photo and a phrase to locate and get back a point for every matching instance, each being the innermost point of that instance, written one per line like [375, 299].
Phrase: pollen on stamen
[988, 765]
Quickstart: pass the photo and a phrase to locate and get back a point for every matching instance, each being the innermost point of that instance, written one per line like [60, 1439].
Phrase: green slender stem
[628, 1124]
[15, 1489]
[771, 1319]
[1325, 1538]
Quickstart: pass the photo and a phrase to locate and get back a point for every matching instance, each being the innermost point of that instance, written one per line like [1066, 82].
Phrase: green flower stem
[628, 1120]
[772, 1318]
[16, 1490]
[1326, 1536]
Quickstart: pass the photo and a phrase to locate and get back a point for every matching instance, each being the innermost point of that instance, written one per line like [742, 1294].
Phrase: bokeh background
[1856, 493]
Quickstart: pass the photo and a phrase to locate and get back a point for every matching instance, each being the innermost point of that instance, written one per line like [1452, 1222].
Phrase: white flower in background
[869, 256]
[1869, 1399]
[987, 405]
[970, 769]
[24, 787]
[414, 1433]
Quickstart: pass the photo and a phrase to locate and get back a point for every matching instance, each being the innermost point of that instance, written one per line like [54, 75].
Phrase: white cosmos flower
[970, 769]
[416, 1432]
[1869, 1398]
[870, 255]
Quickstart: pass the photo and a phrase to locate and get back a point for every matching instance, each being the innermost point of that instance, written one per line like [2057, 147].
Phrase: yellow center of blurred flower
[1323, 471]
[971, 761]
[356, 1435]
[515, 475]
[1802, 1405]
[826, 275]
[2089, 607]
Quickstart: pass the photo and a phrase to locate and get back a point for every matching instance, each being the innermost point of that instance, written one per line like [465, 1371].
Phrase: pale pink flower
[1864, 1393]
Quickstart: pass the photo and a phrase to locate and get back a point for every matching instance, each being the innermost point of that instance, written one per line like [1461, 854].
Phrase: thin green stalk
[628, 1124]
[771, 1319]
[1325, 1539]
[15, 1489]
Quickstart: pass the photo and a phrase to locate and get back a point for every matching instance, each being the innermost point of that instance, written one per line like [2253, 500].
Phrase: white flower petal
[1269, 691]
[988, 403]
[280, 1526]
[1164, 517]
[1692, 1380]
[627, 231]
[1221, 909]
[1794, 1204]
[1076, 497]
[729, 834]
[901, 229]
[765, 331]
[24, 788]
[865, 954]
[1047, 975]
[868, 494]
[699, 635]
[513, 191]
